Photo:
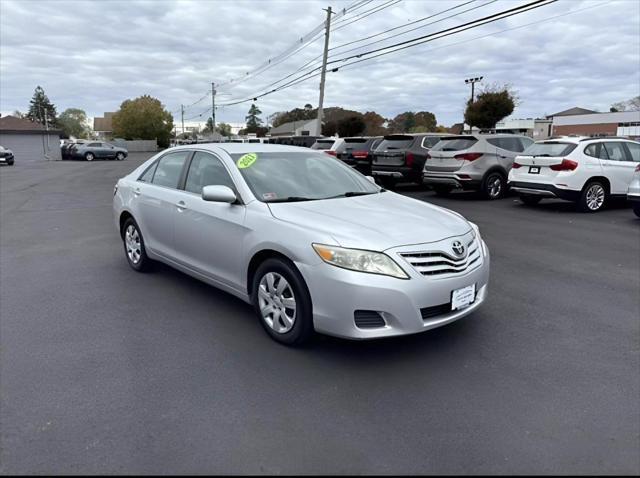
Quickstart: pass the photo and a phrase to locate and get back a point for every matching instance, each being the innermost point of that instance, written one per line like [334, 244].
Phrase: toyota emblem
[458, 248]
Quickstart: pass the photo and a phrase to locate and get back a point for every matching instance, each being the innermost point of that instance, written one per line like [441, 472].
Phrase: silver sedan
[312, 244]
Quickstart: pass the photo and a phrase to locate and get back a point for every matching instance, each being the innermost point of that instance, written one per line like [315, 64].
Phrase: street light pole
[473, 82]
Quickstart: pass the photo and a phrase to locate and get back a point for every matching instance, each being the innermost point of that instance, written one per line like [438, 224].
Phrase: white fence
[137, 146]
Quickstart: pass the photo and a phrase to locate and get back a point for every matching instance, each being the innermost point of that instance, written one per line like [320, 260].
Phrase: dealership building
[622, 123]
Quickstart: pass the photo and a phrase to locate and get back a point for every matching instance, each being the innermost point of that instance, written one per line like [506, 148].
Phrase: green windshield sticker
[247, 160]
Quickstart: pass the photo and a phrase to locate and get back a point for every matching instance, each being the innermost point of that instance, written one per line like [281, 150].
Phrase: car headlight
[361, 261]
[476, 234]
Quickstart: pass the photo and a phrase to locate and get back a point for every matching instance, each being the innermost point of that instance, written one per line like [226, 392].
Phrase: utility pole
[182, 116]
[473, 82]
[213, 107]
[324, 71]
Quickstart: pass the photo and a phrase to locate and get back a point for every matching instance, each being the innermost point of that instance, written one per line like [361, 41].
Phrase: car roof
[240, 148]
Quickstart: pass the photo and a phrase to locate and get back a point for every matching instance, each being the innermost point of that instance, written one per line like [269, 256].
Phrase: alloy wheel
[595, 197]
[89, 157]
[132, 242]
[277, 302]
[494, 186]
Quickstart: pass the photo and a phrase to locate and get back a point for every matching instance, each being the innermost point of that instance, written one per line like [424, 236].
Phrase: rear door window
[456, 143]
[509, 144]
[396, 141]
[169, 169]
[596, 150]
[549, 148]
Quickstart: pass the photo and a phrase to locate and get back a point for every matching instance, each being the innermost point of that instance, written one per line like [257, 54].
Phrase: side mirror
[372, 179]
[218, 194]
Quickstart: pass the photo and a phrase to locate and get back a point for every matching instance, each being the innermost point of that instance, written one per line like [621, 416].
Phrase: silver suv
[473, 161]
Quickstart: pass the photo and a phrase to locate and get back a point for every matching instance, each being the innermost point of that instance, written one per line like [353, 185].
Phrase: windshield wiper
[349, 194]
[291, 199]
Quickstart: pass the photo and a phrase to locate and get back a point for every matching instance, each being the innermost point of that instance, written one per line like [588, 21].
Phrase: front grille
[368, 319]
[436, 310]
[433, 263]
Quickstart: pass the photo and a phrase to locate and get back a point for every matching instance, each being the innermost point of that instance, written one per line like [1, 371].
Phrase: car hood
[375, 222]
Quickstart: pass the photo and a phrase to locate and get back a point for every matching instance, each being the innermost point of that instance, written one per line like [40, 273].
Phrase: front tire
[494, 186]
[594, 197]
[529, 199]
[89, 156]
[134, 249]
[282, 302]
[120, 156]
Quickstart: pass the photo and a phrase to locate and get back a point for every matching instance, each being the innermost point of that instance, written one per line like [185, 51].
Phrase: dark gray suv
[401, 157]
[97, 150]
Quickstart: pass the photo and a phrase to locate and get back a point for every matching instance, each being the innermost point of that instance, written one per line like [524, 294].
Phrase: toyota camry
[310, 243]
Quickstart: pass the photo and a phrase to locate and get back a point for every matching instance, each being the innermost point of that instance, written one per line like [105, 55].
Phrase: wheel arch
[603, 179]
[258, 258]
[124, 215]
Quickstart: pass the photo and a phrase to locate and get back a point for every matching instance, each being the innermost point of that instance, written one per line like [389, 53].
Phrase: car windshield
[548, 148]
[294, 176]
[456, 143]
[396, 141]
[323, 144]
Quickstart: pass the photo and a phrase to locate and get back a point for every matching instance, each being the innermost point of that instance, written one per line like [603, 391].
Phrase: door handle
[136, 192]
[181, 206]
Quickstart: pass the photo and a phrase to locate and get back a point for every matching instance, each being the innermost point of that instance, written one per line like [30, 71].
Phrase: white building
[534, 128]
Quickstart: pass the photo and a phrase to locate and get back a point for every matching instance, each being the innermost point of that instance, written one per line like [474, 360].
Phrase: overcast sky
[95, 54]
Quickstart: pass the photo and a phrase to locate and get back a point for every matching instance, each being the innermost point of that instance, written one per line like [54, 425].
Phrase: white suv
[585, 170]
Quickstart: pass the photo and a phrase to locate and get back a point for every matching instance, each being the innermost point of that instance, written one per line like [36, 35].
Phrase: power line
[365, 14]
[408, 44]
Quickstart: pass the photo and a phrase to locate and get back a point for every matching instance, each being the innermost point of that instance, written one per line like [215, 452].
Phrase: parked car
[478, 162]
[357, 152]
[97, 150]
[67, 146]
[401, 157]
[283, 228]
[588, 171]
[6, 156]
[633, 193]
[328, 145]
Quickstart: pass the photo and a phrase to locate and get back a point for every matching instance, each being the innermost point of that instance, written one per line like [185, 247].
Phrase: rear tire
[494, 186]
[134, 249]
[282, 302]
[89, 156]
[636, 209]
[529, 199]
[442, 190]
[594, 197]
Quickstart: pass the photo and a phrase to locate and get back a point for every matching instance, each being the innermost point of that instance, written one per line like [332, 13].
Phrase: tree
[373, 124]
[253, 120]
[19, 114]
[410, 122]
[351, 126]
[493, 104]
[41, 109]
[329, 128]
[73, 122]
[143, 118]
[208, 127]
[224, 129]
[630, 105]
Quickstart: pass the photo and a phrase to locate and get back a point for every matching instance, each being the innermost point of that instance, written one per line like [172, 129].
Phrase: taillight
[409, 159]
[468, 156]
[516, 165]
[428, 156]
[330, 152]
[638, 167]
[360, 154]
[565, 165]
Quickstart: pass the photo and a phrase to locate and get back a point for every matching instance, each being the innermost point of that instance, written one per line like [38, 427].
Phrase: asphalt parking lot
[104, 370]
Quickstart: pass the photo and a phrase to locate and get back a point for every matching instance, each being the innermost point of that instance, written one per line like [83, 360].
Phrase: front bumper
[337, 293]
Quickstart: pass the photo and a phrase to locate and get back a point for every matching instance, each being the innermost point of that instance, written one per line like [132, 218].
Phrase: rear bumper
[396, 172]
[431, 178]
[544, 190]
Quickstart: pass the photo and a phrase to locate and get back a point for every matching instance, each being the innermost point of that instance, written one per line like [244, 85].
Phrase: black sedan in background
[97, 150]
[6, 156]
